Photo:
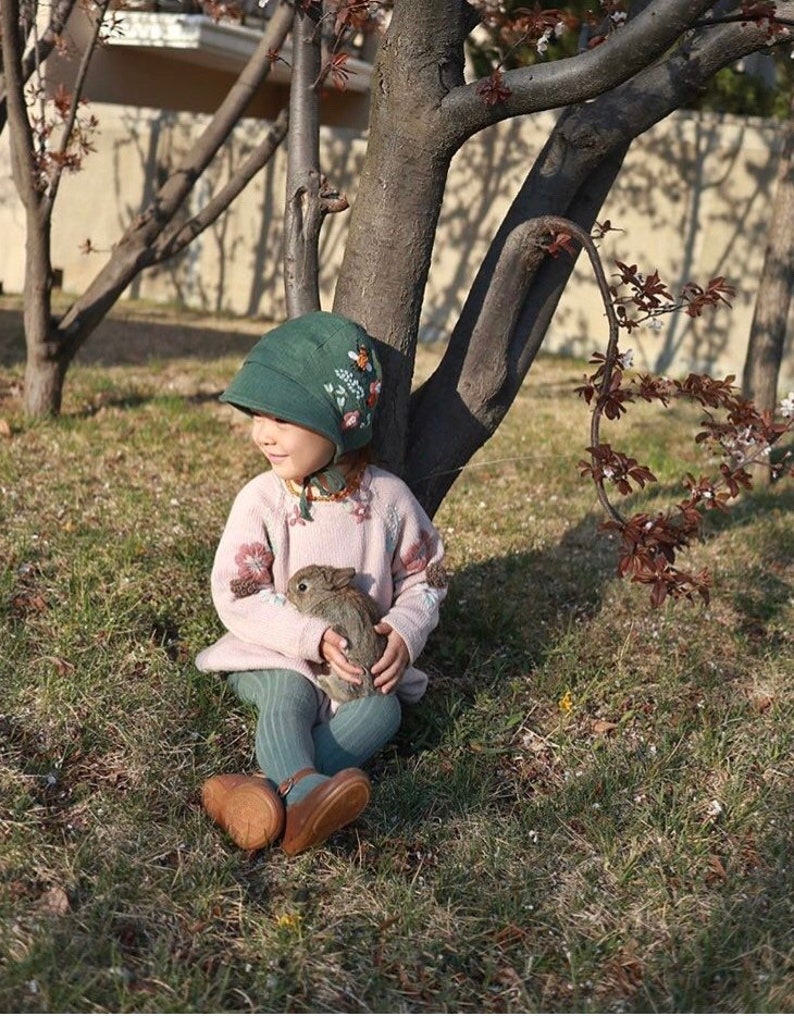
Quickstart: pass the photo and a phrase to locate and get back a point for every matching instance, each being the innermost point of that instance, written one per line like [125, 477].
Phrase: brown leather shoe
[333, 804]
[246, 807]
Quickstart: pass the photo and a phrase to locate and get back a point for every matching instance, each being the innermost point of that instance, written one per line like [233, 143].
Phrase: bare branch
[637, 44]
[303, 210]
[37, 54]
[22, 139]
[100, 10]
[134, 250]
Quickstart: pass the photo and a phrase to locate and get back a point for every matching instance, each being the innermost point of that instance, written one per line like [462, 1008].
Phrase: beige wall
[693, 201]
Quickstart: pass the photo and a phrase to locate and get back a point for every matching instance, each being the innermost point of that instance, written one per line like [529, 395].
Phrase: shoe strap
[287, 785]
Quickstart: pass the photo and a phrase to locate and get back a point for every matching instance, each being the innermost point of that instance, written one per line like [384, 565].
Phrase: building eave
[202, 42]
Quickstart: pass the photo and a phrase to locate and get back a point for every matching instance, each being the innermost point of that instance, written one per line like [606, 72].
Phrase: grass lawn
[590, 811]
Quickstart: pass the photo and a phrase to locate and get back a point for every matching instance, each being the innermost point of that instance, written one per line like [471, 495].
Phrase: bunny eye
[302, 587]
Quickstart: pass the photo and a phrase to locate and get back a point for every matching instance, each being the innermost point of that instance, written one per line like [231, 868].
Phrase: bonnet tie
[326, 482]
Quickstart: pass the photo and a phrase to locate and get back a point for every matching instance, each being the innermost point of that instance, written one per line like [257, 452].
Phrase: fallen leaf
[762, 702]
[54, 902]
[63, 667]
[5, 428]
[510, 977]
[510, 934]
[716, 872]
[603, 726]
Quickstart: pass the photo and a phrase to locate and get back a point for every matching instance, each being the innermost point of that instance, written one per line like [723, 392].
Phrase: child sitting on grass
[311, 387]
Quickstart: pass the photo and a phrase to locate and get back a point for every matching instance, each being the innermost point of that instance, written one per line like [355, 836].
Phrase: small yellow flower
[289, 921]
[566, 702]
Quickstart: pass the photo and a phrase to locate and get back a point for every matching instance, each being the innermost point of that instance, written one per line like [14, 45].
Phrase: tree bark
[384, 271]
[773, 300]
[303, 215]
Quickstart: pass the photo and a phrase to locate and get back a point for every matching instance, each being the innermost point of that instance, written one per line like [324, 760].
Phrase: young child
[311, 387]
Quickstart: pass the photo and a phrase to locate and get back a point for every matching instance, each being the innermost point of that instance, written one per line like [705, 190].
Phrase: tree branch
[303, 215]
[134, 250]
[571, 176]
[37, 54]
[100, 10]
[23, 163]
[174, 240]
[629, 50]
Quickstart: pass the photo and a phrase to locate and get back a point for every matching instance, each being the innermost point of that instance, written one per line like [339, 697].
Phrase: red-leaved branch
[733, 429]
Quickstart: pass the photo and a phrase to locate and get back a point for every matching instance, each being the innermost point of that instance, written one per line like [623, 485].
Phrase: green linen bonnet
[318, 370]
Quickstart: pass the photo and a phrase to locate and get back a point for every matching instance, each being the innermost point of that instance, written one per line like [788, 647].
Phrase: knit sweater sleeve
[420, 582]
[247, 602]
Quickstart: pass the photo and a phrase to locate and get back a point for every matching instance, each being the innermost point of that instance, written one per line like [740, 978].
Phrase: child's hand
[390, 667]
[332, 650]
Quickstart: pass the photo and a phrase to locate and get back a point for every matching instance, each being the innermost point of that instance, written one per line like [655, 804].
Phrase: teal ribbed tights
[289, 736]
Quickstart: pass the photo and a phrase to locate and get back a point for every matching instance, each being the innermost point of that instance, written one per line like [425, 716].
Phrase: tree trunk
[44, 376]
[302, 212]
[384, 272]
[45, 366]
[773, 300]
[514, 325]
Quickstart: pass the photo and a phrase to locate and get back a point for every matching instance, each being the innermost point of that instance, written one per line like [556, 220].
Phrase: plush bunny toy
[329, 593]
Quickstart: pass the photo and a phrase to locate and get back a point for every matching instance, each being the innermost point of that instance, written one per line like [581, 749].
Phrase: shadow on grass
[503, 616]
[120, 342]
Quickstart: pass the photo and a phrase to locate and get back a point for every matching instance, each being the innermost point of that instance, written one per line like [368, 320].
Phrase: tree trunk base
[44, 379]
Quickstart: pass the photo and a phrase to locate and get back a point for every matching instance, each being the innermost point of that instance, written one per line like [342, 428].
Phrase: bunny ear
[341, 577]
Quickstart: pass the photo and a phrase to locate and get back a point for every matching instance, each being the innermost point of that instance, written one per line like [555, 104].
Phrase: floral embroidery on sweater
[359, 501]
[253, 562]
[418, 554]
[295, 518]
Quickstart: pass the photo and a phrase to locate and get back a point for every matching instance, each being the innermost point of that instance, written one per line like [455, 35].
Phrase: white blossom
[626, 359]
[787, 406]
[543, 42]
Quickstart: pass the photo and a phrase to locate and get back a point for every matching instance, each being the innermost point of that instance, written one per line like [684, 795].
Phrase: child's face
[293, 451]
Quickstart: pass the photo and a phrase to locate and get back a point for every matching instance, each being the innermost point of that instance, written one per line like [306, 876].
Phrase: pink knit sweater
[380, 530]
